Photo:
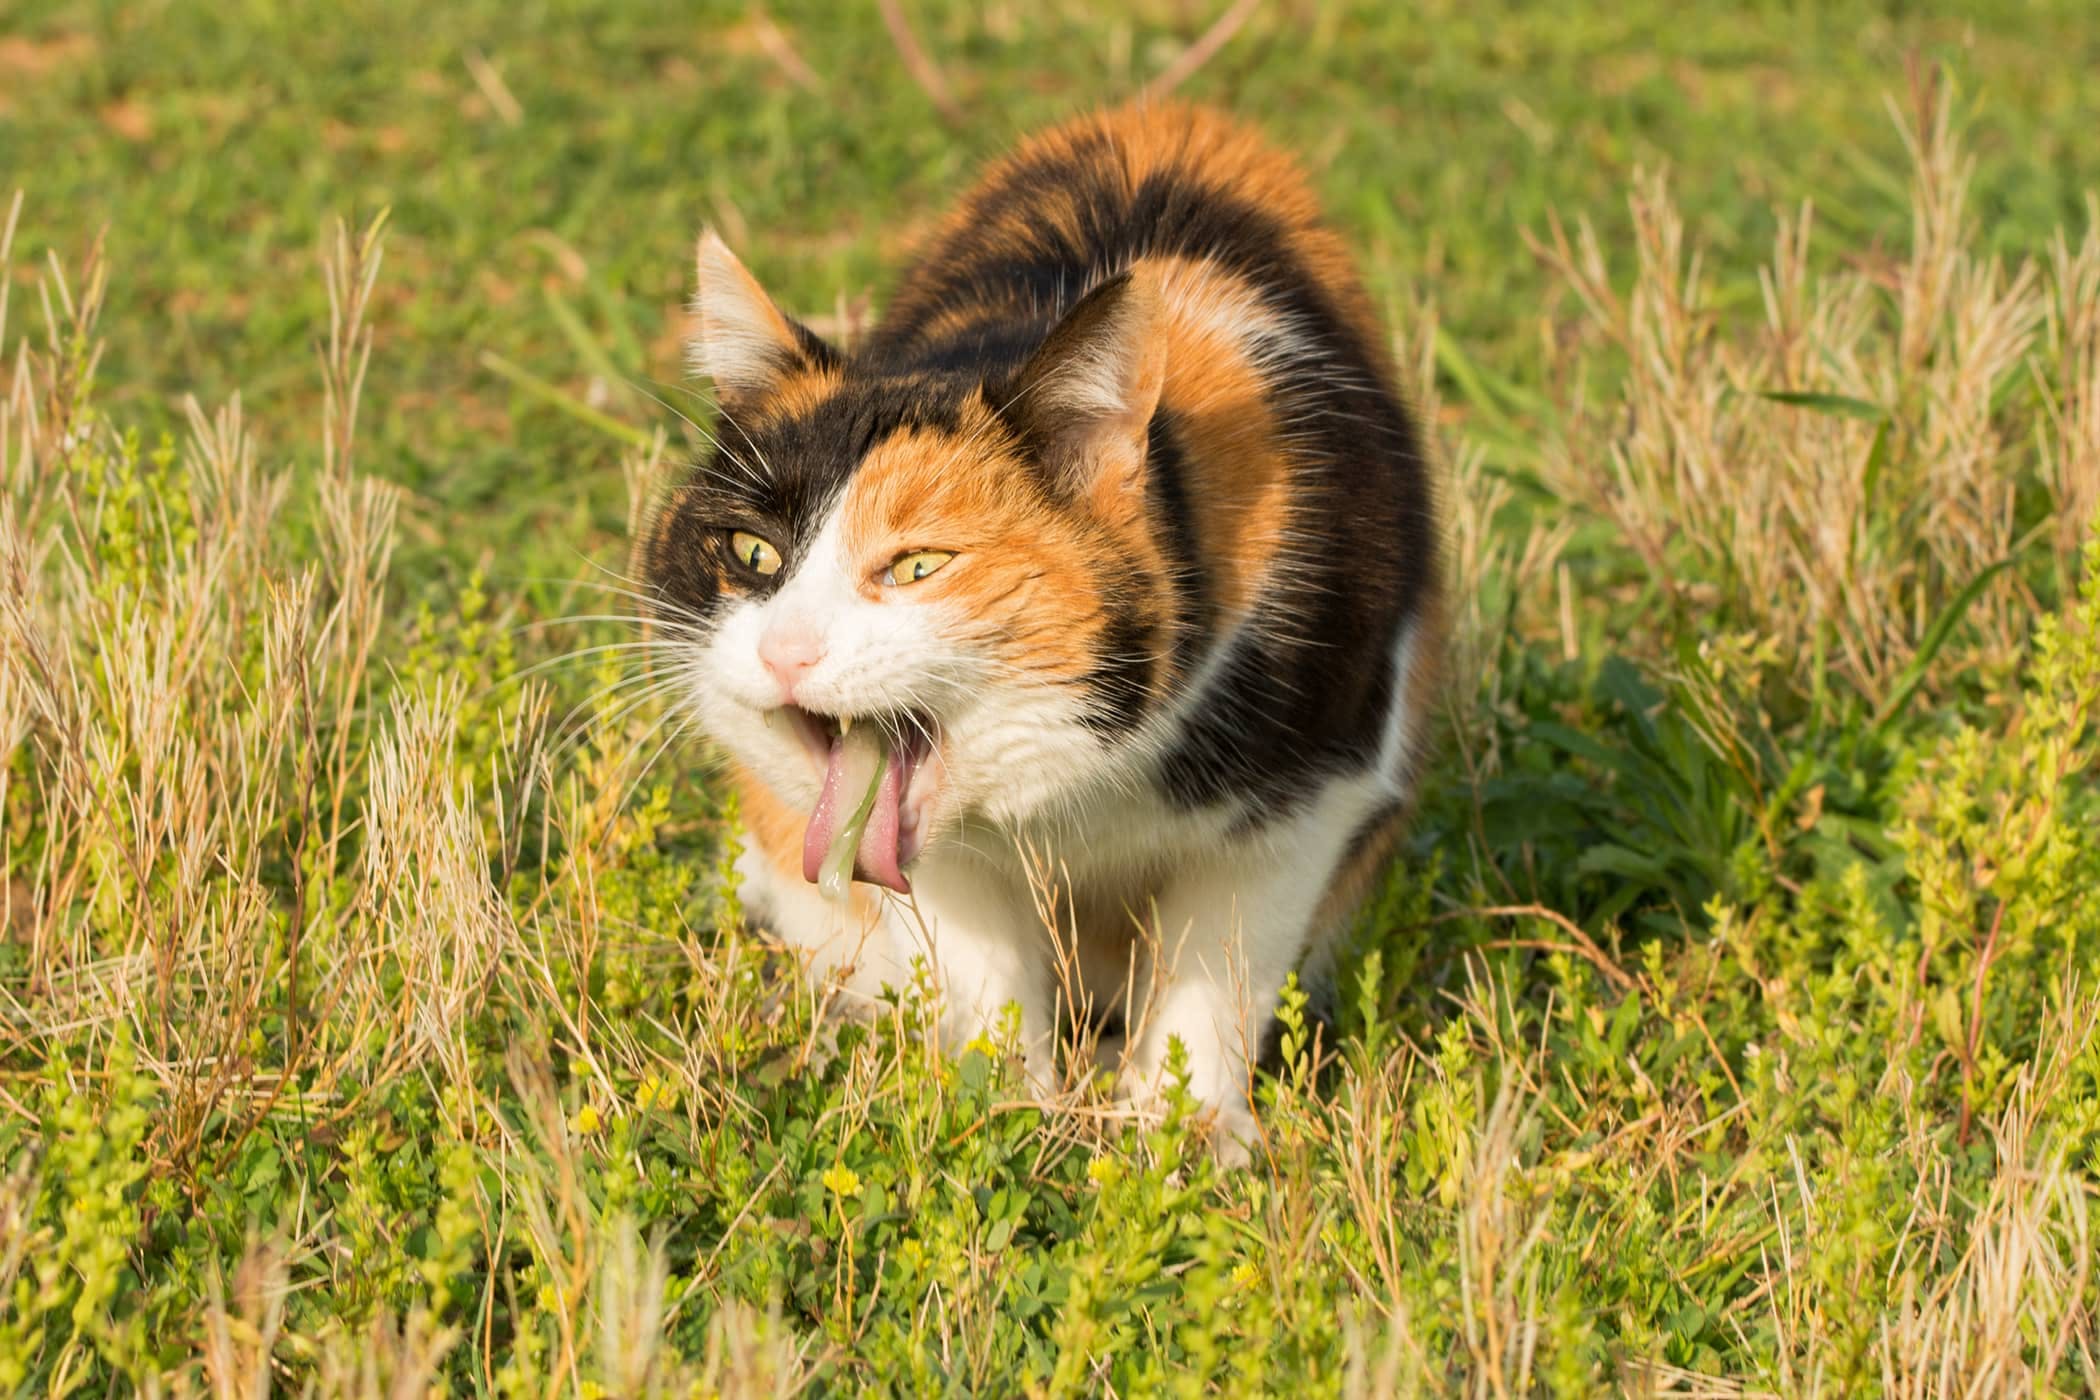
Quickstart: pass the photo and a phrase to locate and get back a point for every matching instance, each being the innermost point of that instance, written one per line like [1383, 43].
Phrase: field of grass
[376, 1013]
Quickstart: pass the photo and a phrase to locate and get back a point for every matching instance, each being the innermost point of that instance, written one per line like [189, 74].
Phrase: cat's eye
[910, 568]
[753, 553]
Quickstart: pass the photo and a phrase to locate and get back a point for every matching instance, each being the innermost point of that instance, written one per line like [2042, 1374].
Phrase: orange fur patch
[1027, 576]
[1239, 487]
[794, 397]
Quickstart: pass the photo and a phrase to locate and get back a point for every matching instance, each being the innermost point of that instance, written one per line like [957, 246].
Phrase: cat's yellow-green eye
[755, 554]
[912, 567]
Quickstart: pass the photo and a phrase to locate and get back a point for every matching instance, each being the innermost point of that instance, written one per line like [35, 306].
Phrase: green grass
[371, 1006]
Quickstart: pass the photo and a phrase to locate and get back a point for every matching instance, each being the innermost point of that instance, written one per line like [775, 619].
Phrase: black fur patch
[1119, 684]
[1167, 495]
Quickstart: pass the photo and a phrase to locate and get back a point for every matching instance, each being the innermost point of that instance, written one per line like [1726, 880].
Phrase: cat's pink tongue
[876, 861]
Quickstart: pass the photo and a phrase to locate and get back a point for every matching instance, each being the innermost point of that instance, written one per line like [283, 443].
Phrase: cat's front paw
[1233, 1136]
[1229, 1124]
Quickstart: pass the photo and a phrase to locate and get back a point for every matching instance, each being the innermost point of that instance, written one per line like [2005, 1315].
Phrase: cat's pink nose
[788, 654]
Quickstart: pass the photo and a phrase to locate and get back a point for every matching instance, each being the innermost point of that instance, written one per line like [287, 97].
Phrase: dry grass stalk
[195, 713]
[351, 268]
[781, 49]
[238, 1342]
[2071, 436]
[1190, 60]
[2017, 1307]
[427, 882]
[391, 1360]
[1843, 522]
[1493, 572]
[918, 62]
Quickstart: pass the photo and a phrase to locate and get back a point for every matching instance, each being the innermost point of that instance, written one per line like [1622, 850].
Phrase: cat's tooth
[845, 725]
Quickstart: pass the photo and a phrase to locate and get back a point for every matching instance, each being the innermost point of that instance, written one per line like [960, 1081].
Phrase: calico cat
[1097, 589]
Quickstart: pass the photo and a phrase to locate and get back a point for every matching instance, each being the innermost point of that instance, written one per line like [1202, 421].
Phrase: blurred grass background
[549, 164]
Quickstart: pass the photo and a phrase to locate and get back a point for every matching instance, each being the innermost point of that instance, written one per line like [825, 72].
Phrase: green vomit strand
[835, 878]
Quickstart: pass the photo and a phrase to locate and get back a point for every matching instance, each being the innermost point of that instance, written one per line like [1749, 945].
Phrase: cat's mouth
[882, 811]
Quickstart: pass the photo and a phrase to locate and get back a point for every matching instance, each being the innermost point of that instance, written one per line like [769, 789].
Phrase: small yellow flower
[586, 1121]
[982, 1044]
[842, 1180]
[1244, 1276]
[549, 1298]
[1104, 1171]
[654, 1093]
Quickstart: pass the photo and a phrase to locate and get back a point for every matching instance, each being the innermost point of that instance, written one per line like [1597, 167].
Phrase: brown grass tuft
[1836, 478]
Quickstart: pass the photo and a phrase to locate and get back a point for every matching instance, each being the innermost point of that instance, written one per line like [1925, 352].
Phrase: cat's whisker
[601, 711]
[660, 609]
[756, 451]
[677, 724]
[683, 631]
[603, 730]
[712, 440]
[634, 586]
[644, 646]
[639, 384]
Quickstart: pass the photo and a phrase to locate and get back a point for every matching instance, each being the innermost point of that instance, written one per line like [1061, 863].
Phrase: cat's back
[1286, 482]
[1079, 202]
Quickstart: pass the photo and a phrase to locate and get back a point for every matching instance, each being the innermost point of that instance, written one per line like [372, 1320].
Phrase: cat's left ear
[742, 340]
[1085, 400]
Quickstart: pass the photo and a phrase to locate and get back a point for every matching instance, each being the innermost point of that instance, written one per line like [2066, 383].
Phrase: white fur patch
[1221, 306]
[1403, 716]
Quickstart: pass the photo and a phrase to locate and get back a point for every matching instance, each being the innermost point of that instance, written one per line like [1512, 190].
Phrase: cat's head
[961, 558]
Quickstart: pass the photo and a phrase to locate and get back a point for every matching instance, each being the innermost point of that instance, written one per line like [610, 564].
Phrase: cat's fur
[1179, 664]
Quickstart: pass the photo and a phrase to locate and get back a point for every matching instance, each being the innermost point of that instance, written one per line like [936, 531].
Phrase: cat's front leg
[1231, 925]
[977, 931]
[850, 951]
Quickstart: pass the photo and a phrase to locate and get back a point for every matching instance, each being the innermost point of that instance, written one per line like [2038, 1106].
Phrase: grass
[376, 1010]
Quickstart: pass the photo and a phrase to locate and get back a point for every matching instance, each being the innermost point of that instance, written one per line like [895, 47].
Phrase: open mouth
[869, 797]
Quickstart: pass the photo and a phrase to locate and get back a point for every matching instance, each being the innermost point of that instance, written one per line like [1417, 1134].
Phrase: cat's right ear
[741, 340]
[1085, 399]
